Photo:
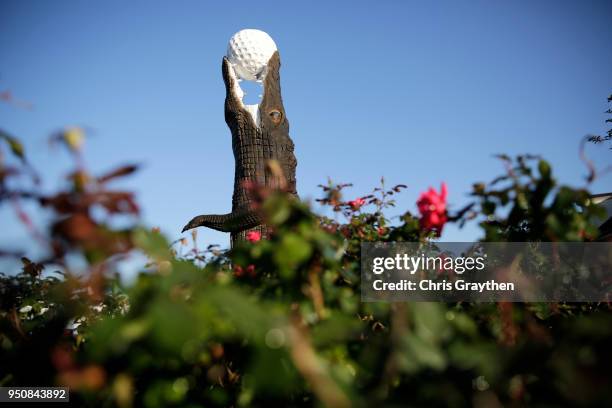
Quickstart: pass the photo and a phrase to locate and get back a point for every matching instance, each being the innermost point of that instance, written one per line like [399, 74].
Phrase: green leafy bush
[279, 321]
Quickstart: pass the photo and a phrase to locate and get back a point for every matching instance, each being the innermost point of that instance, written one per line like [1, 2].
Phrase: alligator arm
[232, 222]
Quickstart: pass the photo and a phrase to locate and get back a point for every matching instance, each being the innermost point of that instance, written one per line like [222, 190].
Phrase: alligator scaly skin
[253, 147]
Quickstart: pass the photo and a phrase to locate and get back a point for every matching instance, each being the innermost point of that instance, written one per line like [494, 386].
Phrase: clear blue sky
[418, 92]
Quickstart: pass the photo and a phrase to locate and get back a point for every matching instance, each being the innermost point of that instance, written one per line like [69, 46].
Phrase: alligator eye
[275, 116]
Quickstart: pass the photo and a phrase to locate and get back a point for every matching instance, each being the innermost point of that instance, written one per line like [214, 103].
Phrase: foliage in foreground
[279, 321]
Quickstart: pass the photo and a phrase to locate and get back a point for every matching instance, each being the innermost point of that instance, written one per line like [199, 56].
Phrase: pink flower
[251, 270]
[432, 207]
[356, 204]
[238, 271]
[253, 236]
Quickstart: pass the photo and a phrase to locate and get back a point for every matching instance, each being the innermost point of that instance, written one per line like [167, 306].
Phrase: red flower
[238, 271]
[356, 204]
[253, 236]
[251, 270]
[432, 207]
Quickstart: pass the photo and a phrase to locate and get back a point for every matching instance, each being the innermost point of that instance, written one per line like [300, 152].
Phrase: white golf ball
[249, 51]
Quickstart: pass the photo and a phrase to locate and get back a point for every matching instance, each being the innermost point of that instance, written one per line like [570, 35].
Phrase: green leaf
[465, 324]
[14, 144]
[292, 251]
[278, 210]
[544, 169]
[426, 354]
[430, 321]
[335, 329]
[152, 243]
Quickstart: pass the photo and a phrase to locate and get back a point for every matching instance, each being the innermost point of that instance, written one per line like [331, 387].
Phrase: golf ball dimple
[249, 51]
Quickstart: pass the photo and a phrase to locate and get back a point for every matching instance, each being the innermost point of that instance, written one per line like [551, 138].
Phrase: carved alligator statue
[260, 134]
